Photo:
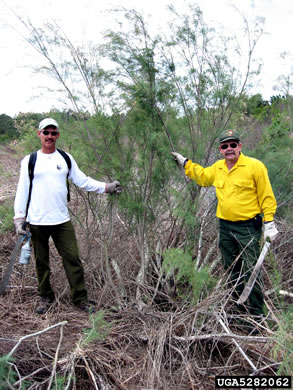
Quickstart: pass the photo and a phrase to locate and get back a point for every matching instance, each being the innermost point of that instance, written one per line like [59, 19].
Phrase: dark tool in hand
[8, 271]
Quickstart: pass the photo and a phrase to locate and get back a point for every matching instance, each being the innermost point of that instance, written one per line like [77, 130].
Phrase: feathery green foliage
[98, 331]
[275, 150]
[59, 383]
[284, 343]
[181, 264]
[8, 375]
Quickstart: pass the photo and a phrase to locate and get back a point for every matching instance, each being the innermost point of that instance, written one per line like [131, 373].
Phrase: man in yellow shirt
[244, 192]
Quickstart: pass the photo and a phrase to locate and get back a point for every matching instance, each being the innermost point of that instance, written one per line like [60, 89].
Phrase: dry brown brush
[135, 347]
[159, 341]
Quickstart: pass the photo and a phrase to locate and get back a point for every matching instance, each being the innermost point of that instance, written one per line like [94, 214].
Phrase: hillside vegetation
[151, 256]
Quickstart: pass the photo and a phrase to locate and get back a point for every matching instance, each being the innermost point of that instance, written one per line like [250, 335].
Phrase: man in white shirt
[48, 215]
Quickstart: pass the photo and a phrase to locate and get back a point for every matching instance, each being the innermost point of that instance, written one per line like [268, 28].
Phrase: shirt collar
[241, 161]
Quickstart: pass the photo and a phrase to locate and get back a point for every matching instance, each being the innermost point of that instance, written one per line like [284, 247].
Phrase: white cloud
[86, 19]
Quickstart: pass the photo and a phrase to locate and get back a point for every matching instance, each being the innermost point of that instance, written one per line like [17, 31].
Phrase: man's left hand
[114, 187]
[271, 231]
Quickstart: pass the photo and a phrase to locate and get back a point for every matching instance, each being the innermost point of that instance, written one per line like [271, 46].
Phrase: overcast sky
[20, 87]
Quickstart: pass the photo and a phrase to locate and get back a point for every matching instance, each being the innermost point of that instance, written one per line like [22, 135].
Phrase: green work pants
[242, 238]
[63, 236]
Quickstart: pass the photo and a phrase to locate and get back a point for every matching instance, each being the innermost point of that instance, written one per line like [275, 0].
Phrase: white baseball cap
[47, 122]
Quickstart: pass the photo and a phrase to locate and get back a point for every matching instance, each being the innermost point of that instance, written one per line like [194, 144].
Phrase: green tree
[145, 141]
[275, 150]
[7, 126]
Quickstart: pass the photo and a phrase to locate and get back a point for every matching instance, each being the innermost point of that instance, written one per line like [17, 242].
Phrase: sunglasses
[225, 146]
[53, 133]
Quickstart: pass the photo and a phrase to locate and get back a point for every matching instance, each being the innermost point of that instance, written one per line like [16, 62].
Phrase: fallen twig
[237, 345]
[223, 336]
[63, 323]
[56, 357]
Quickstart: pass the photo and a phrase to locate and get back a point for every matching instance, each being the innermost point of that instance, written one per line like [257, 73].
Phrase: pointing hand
[180, 160]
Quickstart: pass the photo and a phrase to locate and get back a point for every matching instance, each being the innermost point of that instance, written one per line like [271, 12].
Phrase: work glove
[179, 159]
[114, 187]
[18, 223]
[271, 231]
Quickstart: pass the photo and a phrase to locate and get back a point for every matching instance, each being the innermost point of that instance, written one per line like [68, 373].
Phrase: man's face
[48, 137]
[230, 150]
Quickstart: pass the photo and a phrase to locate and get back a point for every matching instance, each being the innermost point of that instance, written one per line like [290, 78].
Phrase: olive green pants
[63, 236]
[242, 238]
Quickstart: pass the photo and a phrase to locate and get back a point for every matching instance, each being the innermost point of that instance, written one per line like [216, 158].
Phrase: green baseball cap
[228, 135]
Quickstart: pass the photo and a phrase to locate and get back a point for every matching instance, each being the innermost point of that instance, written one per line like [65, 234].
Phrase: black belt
[247, 221]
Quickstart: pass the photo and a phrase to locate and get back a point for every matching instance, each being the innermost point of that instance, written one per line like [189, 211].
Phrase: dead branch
[236, 344]
[62, 324]
[219, 336]
[56, 356]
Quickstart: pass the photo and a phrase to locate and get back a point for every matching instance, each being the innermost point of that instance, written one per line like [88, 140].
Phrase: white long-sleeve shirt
[48, 205]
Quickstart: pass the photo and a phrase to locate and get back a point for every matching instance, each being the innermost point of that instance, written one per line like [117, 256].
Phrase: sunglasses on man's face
[53, 133]
[233, 145]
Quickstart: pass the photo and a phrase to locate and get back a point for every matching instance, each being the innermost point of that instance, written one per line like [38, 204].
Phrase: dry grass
[165, 345]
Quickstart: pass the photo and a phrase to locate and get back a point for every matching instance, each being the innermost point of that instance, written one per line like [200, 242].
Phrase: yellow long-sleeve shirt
[242, 193]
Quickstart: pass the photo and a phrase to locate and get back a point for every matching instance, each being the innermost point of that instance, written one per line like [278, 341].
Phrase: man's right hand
[179, 159]
[271, 231]
[18, 223]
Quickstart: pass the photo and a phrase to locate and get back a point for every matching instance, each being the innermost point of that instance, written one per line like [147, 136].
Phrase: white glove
[179, 159]
[18, 222]
[271, 231]
[113, 187]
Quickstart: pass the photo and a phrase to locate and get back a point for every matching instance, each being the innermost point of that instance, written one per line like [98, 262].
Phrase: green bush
[275, 151]
[284, 343]
[8, 375]
[187, 278]
[6, 216]
[7, 126]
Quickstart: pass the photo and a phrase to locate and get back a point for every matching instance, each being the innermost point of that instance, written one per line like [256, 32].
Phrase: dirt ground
[9, 172]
